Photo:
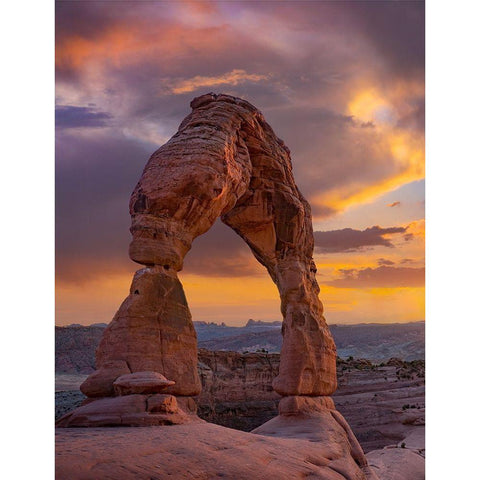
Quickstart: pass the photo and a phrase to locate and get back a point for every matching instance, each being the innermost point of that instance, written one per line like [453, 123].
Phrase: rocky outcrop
[224, 162]
[193, 451]
[383, 404]
[315, 419]
[133, 410]
[237, 389]
[152, 331]
[75, 348]
[404, 461]
[141, 382]
[397, 464]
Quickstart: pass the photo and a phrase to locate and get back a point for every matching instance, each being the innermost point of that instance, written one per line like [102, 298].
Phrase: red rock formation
[152, 331]
[225, 161]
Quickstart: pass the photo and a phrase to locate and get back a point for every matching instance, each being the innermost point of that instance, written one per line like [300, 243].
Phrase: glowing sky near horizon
[342, 83]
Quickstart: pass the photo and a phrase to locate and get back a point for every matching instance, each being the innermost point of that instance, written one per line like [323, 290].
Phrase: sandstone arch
[224, 161]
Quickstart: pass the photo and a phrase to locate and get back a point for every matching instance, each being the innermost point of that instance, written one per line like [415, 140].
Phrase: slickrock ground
[403, 461]
[397, 464]
[204, 451]
[201, 451]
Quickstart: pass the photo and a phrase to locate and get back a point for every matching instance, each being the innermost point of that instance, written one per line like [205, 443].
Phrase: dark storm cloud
[221, 252]
[381, 277]
[95, 176]
[321, 140]
[68, 116]
[87, 19]
[396, 30]
[350, 240]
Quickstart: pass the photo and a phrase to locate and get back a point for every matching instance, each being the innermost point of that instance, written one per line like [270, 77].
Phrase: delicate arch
[225, 161]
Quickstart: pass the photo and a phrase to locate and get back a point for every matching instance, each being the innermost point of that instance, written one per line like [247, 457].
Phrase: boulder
[141, 382]
[397, 464]
[129, 410]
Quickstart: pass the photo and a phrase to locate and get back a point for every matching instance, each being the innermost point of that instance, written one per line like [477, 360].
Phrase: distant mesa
[95, 325]
[261, 323]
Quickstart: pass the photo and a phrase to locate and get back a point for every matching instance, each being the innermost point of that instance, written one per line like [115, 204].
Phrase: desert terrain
[383, 402]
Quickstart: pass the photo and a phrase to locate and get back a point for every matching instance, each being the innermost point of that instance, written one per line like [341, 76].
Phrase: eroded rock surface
[133, 410]
[141, 382]
[225, 161]
[315, 419]
[397, 464]
[193, 451]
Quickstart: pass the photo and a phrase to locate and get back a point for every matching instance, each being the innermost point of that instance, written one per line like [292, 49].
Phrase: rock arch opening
[224, 282]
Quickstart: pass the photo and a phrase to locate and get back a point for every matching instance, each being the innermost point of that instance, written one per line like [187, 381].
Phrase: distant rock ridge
[261, 323]
[75, 346]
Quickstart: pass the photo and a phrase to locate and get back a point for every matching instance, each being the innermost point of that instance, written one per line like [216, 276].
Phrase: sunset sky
[342, 83]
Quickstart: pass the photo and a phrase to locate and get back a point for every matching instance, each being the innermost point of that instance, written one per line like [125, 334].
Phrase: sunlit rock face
[225, 161]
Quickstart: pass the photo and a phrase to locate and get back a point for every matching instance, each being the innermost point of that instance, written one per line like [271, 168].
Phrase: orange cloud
[232, 78]
[126, 44]
[417, 228]
[398, 152]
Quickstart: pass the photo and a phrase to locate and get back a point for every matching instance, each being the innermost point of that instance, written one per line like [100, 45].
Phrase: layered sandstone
[197, 451]
[226, 161]
[152, 331]
[133, 410]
